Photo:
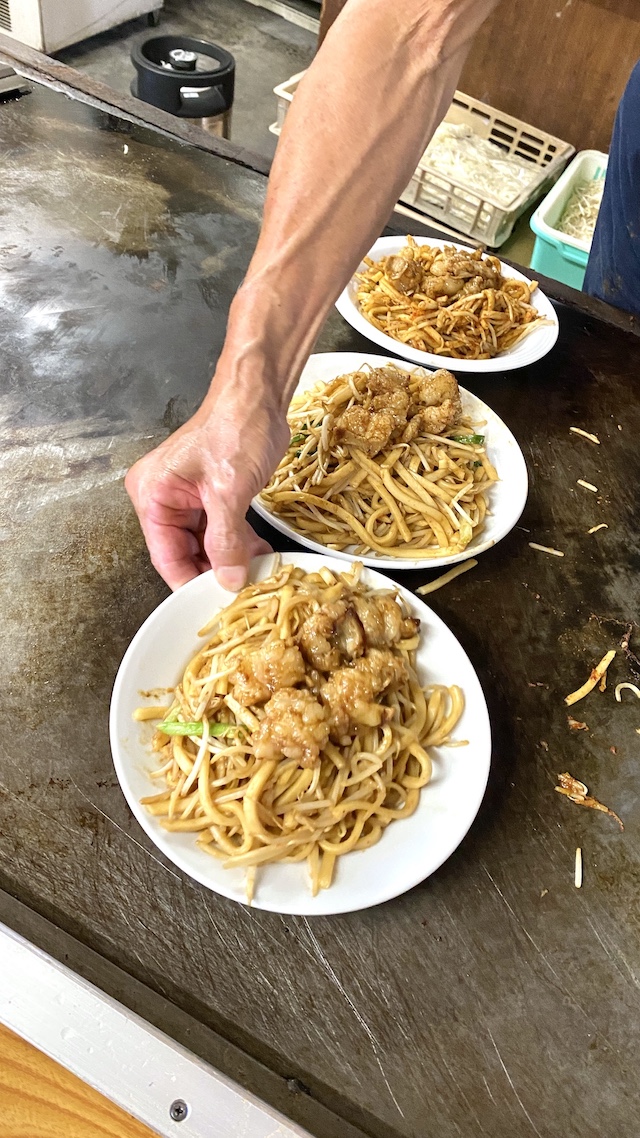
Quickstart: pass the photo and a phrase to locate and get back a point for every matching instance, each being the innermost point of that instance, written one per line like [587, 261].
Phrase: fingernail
[231, 577]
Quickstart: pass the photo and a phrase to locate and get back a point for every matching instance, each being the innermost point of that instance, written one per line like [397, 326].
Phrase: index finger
[176, 553]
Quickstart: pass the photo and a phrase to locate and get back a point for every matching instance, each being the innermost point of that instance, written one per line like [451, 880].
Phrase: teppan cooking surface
[496, 998]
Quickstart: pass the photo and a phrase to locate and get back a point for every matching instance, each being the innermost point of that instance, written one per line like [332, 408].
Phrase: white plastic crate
[284, 93]
[452, 203]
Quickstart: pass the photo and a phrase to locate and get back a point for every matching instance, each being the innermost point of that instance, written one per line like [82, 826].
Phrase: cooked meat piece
[476, 284]
[294, 725]
[372, 426]
[349, 692]
[445, 262]
[412, 430]
[391, 416]
[437, 405]
[381, 380]
[258, 674]
[332, 635]
[465, 266]
[383, 622]
[371, 430]
[433, 421]
[394, 403]
[488, 273]
[448, 286]
[404, 275]
[436, 388]
[349, 634]
[455, 273]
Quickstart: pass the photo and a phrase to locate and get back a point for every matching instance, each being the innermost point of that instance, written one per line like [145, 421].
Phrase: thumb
[226, 542]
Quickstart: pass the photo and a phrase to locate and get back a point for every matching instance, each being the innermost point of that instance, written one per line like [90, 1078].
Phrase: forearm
[372, 98]
[360, 120]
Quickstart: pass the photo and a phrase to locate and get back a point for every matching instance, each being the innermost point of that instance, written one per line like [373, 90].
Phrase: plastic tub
[556, 254]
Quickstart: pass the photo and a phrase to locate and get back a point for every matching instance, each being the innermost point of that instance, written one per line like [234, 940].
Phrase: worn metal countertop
[493, 999]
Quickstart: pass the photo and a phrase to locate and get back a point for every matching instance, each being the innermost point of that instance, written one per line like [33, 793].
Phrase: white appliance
[49, 25]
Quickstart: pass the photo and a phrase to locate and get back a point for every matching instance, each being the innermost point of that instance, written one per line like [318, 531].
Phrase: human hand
[191, 493]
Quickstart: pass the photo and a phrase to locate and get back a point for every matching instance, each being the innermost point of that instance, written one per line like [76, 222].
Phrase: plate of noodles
[317, 743]
[437, 302]
[393, 464]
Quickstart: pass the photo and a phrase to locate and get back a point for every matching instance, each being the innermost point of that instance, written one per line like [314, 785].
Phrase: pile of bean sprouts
[581, 211]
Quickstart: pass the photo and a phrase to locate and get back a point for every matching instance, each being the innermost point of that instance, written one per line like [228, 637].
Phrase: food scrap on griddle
[578, 793]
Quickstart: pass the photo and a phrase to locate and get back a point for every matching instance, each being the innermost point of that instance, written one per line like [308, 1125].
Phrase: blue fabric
[613, 270]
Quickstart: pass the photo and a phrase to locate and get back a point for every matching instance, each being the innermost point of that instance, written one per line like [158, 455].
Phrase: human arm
[361, 118]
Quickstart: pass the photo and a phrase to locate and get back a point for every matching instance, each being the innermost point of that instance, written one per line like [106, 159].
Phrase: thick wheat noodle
[249, 811]
[475, 327]
[379, 505]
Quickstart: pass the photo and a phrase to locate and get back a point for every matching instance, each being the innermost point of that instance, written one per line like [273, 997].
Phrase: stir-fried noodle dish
[450, 302]
[383, 461]
[300, 730]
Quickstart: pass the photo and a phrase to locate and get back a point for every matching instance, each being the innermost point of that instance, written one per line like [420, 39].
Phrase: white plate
[408, 851]
[507, 497]
[527, 351]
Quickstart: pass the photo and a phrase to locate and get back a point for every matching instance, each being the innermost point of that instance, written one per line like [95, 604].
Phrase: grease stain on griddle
[115, 202]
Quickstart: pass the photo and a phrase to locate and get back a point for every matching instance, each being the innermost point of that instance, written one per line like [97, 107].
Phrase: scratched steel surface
[494, 999]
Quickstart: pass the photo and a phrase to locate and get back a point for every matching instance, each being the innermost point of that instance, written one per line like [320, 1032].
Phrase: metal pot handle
[210, 102]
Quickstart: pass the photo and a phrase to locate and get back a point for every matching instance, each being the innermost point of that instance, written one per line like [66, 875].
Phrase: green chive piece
[468, 440]
[217, 729]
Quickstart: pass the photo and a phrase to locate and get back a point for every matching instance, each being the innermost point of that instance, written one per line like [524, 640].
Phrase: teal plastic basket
[556, 254]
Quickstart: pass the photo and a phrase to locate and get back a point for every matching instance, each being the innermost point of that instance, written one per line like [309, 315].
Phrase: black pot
[173, 74]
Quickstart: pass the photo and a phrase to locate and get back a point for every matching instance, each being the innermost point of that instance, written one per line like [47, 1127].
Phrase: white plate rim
[528, 351]
[518, 476]
[326, 903]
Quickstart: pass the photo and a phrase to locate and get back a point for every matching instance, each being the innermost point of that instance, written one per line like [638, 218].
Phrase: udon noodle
[300, 730]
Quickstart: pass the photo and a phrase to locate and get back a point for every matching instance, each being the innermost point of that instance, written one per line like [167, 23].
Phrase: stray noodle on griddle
[450, 302]
[300, 730]
[382, 460]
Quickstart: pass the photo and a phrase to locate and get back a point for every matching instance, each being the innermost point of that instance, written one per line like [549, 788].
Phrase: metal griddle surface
[495, 998]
